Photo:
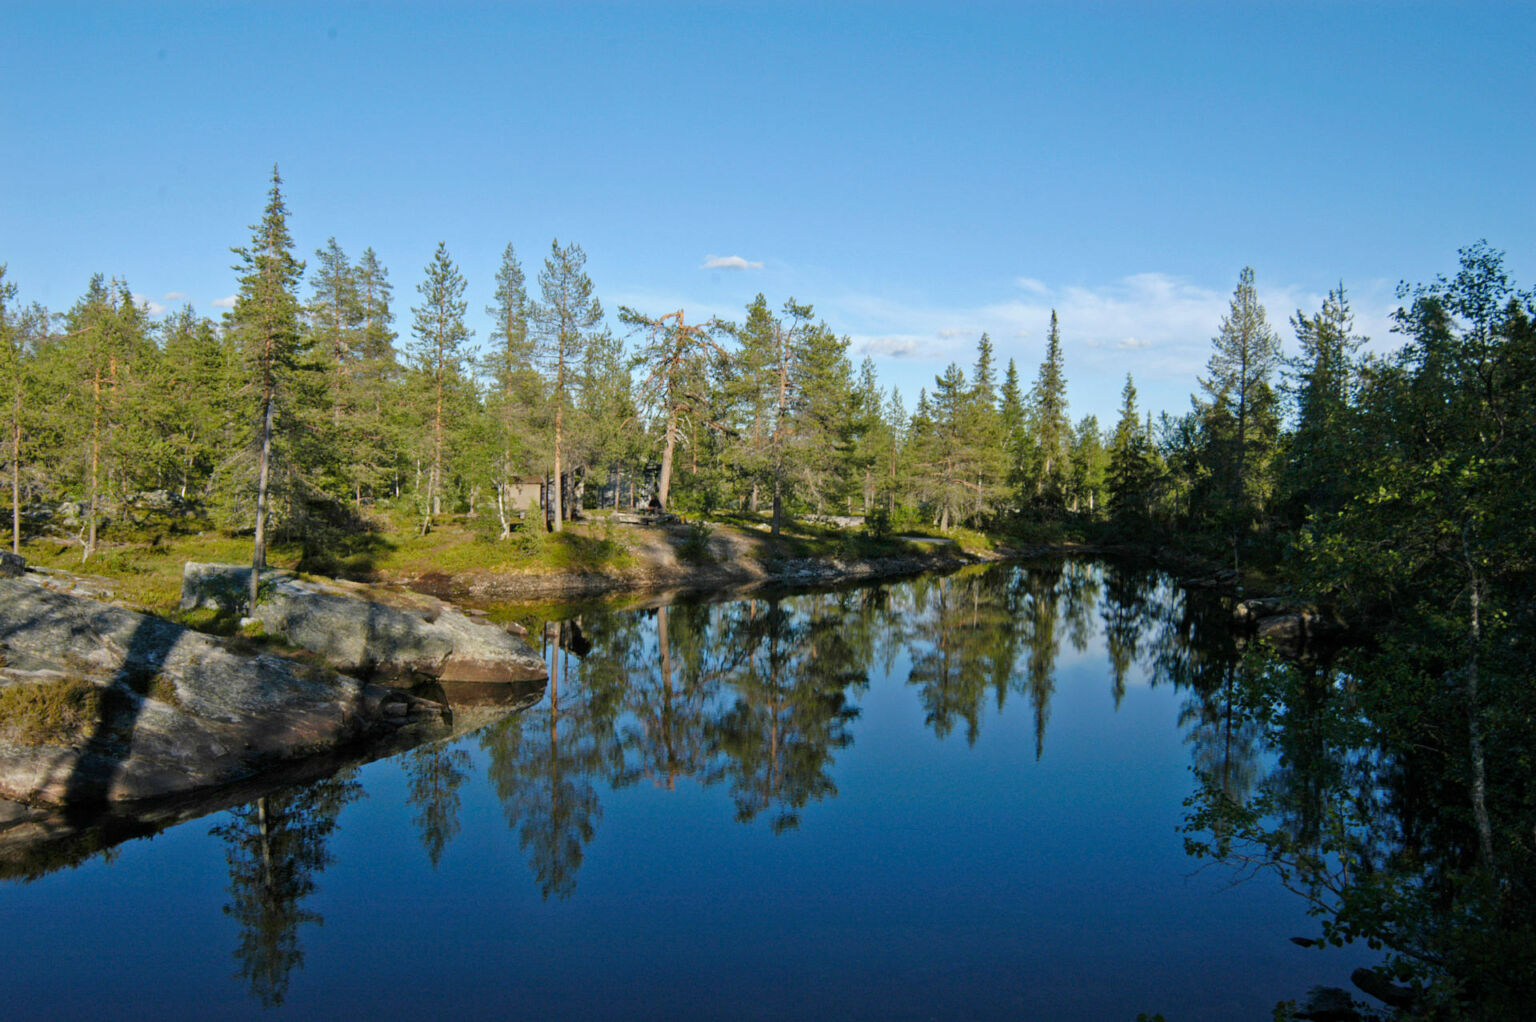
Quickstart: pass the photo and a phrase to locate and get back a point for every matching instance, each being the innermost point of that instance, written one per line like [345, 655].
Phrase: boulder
[11, 565]
[107, 705]
[367, 631]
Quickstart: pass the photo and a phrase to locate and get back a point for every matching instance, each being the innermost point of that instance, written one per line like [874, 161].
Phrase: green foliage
[877, 524]
[695, 545]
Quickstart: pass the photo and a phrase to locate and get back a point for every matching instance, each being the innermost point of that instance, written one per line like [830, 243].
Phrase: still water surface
[953, 797]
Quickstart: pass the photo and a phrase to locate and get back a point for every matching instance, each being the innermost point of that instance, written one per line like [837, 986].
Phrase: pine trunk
[557, 487]
[263, 464]
[664, 486]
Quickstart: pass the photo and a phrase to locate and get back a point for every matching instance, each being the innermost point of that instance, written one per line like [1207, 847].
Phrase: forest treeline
[310, 399]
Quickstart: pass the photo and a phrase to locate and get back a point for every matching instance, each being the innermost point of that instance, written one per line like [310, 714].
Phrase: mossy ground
[49, 712]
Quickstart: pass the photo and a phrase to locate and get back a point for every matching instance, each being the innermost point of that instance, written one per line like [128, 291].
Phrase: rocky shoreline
[728, 570]
[103, 705]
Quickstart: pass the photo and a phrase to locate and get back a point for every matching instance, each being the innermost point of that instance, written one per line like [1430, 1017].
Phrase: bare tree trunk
[1474, 716]
[263, 467]
[664, 484]
[778, 503]
[559, 504]
[435, 483]
[16, 477]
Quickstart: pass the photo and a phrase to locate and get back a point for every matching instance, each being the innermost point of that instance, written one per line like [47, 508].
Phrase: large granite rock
[366, 631]
[104, 704]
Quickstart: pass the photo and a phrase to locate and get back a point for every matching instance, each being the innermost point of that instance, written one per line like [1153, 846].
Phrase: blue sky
[918, 172]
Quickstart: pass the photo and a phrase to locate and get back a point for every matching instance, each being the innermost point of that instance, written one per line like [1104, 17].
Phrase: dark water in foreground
[948, 798]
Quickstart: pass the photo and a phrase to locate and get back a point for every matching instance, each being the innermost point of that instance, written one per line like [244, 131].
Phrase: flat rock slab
[366, 631]
[154, 708]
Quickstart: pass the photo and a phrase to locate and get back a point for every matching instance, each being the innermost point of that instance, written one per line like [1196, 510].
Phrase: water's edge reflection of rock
[35, 841]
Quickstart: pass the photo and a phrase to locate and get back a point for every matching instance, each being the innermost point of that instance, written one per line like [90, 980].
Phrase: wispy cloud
[174, 296]
[730, 262]
[890, 347]
[1156, 325]
[223, 303]
[149, 305]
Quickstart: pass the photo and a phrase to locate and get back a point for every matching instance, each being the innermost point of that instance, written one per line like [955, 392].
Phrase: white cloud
[896, 346]
[1155, 325]
[174, 296]
[223, 303]
[150, 306]
[732, 262]
[1031, 284]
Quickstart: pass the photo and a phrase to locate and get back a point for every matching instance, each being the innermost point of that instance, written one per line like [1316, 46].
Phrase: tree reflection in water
[435, 773]
[275, 846]
[758, 696]
[543, 763]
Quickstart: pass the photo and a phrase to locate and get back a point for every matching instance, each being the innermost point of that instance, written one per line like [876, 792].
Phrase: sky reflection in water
[955, 797]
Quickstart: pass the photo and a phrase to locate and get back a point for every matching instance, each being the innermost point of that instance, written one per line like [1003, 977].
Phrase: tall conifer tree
[566, 317]
[439, 351]
[266, 321]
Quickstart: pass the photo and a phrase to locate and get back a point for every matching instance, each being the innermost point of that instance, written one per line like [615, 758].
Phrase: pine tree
[565, 319]
[749, 386]
[266, 321]
[439, 351]
[518, 395]
[675, 358]
[16, 329]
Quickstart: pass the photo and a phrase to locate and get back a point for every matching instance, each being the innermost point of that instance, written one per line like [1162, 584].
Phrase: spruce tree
[1244, 355]
[266, 322]
[1322, 381]
[379, 422]
[984, 434]
[1050, 470]
[1132, 462]
[1014, 422]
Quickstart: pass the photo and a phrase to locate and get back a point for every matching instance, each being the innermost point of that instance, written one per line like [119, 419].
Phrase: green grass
[146, 574]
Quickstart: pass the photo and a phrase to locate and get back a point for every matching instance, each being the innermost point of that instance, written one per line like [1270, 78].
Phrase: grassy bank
[144, 571]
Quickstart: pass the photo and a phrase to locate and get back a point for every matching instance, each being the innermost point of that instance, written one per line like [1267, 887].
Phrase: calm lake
[952, 797]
